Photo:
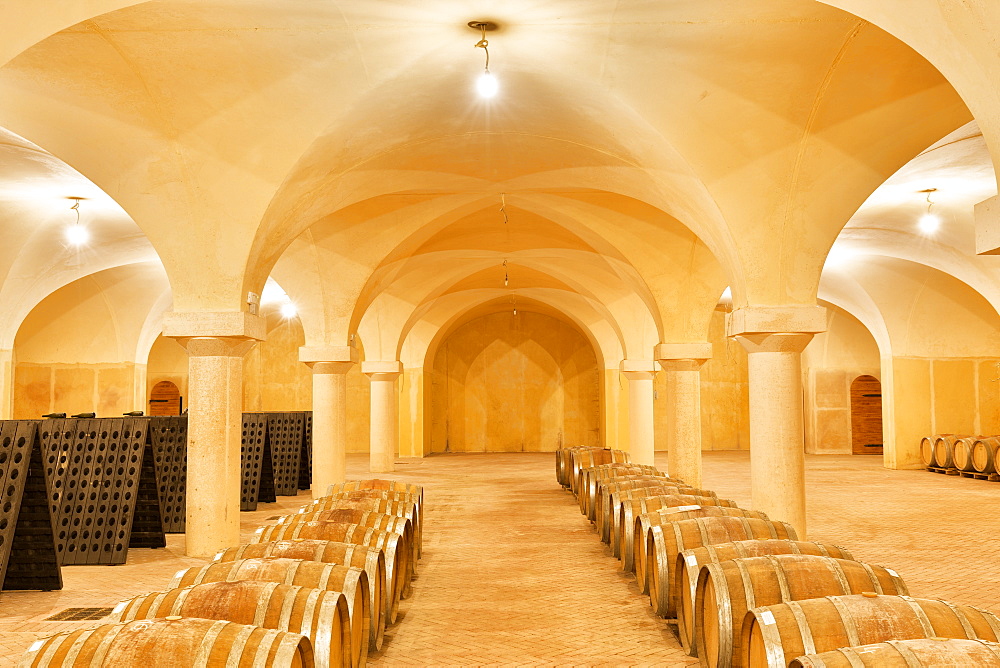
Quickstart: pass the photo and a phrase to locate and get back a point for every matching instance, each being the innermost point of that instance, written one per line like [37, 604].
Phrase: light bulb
[288, 310]
[515, 311]
[487, 84]
[929, 223]
[77, 235]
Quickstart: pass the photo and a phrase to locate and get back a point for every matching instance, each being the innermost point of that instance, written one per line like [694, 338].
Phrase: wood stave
[908, 654]
[927, 451]
[593, 478]
[327, 502]
[984, 454]
[689, 563]
[644, 555]
[612, 494]
[666, 542]
[583, 473]
[582, 459]
[369, 518]
[371, 559]
[121, 644]
[724, 589]
[397, 554]
[351, 582]
[778, 643]
[408, 509]
[320, 615]
[605, 488]
[961, 453]
[943, 444]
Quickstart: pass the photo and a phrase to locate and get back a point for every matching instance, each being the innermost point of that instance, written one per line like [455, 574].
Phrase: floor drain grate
[79, 614]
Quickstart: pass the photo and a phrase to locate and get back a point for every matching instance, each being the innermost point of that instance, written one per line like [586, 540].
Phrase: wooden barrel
[927, 451]
[582, 459]
[397, 554]
[351, 582]
[689, 563]
[595, 476]
[604, 488]
[984, 454]
[943, 454]
[774, 635]
[371, 559]
[728, 589]
[322, 616]
[327, 502]
[665, 542]
[613, 493]
[623, 522]
[961, 453]
[930, 652]
[377, 485]
[645, 562]
[563, 464]
[408, 509]
[364, 517]
[175, 642]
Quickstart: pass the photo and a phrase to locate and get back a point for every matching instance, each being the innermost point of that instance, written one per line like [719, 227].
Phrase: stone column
[384, 414]
[216, 344]
[329, 400]
[6, 384]
[774, 338]
[640, 375]
[682, 364]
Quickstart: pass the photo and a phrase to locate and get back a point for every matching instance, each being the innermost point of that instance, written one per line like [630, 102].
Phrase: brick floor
[513, 574]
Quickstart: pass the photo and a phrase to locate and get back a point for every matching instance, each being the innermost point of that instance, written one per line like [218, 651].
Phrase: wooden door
[866, 416]
[164, 399]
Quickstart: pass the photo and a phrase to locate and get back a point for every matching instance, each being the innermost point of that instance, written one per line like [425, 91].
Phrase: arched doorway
[164, 399]
[514, 383]
[866, 416]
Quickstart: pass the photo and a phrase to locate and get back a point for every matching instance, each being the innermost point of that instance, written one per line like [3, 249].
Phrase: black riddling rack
[255, 457]
[95, 472]
[168, 437]
[305, 459]
[284, 437]
[27, 546]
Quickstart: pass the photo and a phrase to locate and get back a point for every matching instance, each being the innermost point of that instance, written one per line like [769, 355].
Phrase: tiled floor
[513, 574]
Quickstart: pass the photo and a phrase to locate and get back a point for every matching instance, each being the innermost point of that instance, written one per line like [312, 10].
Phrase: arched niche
[511, 383]
[866, 416]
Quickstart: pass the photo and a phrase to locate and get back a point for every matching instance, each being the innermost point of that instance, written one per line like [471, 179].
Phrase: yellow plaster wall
[167, 361]
[830, 363]
[273, 377]
[511, 383]
[106, 389]
[725, 392]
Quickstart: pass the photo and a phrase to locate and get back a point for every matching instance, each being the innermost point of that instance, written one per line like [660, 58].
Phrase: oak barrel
[408, 509]
[943, 453]
[322, 616]
[185, 643]
[612, 494]
[927, 450]
[351, 582]
[595, 476]
[647, 562]
[583, 459]
[397, 555]
[775, 635]
[623, 522]
[930, 652]
[984, 454]
[689, 563]
[331, 500]
[961, 453]
[727, 590]
[371, 559]
[667, 541]
[563, 463]
[367, 518]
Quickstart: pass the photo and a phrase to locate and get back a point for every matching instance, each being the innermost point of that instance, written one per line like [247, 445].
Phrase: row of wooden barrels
[317, 588]
[744, 591]
[962, 452]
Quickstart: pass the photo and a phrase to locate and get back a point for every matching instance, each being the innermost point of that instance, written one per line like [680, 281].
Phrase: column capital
[776, 320]
[683, 364]
[316, 354]
[215, 346]
[776, 342]
[338, 368]
[683, 352]
[230, 324]
[382, 370]
[638, 366]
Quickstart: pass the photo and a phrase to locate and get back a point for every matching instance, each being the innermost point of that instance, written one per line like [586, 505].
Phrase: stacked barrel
[316, 589]
[743, 590]
[962, 455]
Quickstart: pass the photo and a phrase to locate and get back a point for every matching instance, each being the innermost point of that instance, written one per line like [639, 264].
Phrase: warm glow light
[838, 256]
[288, 310]
[77, 235]
[929, 223]
[487, 85]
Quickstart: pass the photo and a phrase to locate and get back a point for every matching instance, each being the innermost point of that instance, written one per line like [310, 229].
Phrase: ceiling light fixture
[289, 311]
[77, 234]
[506, 274]
[929, 222]
[486, 85]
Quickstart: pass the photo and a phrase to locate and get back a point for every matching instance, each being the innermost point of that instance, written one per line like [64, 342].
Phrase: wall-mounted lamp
[486, 84]
[929, 222]
[77, 234]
